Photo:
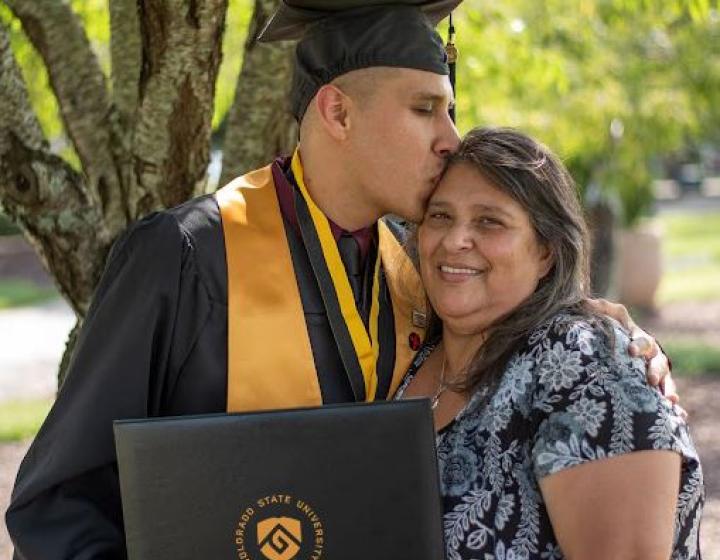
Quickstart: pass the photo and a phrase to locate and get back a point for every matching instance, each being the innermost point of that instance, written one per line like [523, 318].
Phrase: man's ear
[332, 110]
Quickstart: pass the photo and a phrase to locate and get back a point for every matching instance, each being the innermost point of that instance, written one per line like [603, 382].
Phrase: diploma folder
[338, 482]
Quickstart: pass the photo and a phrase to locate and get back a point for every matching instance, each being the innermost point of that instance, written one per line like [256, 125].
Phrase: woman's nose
[458, 238]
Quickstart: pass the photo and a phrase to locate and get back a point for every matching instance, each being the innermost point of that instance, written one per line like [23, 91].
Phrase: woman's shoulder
[591, 336]
[570, 348]
[592, 399]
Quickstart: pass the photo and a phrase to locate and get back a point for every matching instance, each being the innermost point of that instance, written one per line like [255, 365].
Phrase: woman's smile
[458, 273]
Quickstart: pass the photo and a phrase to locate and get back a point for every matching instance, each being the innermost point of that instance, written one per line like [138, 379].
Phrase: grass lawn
[15, 293]
[20, 420]
[692, 358]
[691, 261]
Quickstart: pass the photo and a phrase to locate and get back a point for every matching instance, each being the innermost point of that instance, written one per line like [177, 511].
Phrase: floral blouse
[569, 396]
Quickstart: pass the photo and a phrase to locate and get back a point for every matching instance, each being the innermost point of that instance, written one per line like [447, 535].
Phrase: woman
[551, 444]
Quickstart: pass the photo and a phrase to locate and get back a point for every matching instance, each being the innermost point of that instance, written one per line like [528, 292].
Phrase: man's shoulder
[192, 226]
[200, 222]
[191, 232]
[199, 217]
[194, 217]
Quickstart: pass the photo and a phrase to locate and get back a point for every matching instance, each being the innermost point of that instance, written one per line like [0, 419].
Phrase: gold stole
[270, 361]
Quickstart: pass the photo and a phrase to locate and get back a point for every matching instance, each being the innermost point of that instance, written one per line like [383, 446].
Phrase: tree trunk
[601, 222]
[260, 125]
[143, 144]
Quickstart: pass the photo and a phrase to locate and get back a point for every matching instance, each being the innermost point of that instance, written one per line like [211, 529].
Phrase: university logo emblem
[279, 527]
[279, 538]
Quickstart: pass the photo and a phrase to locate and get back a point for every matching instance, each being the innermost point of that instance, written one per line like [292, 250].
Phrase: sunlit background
[627, 92]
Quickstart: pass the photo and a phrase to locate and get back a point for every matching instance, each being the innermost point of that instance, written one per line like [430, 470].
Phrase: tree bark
[260, 125]
[85, 106]
[144, 145]
[126, 60]
[126, 56]
[182, 42]
[44, 195]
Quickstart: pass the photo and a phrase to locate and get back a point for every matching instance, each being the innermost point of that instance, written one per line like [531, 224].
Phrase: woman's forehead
[464, 186]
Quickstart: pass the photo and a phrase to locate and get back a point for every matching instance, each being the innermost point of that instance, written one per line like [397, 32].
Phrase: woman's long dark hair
[534, 177]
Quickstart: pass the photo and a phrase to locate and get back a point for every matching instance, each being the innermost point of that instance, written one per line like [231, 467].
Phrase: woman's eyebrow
[491, 208]
[438, 204]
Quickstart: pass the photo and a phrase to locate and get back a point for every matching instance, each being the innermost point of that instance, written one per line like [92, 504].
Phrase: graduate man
[282, 289]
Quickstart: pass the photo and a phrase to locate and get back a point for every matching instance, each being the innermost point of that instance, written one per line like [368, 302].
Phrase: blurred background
[627, 92]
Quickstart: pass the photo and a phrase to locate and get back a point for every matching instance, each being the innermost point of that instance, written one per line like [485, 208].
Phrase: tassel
[452, 55]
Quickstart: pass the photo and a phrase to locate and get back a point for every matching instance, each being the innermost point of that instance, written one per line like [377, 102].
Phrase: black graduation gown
[154, 344]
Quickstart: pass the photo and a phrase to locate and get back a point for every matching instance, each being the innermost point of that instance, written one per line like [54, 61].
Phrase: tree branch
[44, 194]
[126, 53]
[181, 57]
[259, 123]
[16, 113]
[78, 82]
[48, 199]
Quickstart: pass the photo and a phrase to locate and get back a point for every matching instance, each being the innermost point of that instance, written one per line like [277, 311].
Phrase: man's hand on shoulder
[642, 345]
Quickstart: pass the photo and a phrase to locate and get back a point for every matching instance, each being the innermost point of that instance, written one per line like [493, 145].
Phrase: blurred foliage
[564, 71]
[560, 70]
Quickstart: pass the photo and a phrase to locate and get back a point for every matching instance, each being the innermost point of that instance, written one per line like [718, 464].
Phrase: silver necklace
[442, 387]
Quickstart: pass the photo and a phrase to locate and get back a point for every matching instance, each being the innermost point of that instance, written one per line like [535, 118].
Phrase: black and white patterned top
[569, 396]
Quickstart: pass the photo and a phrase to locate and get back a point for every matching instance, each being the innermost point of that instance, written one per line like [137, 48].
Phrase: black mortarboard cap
[338, 36]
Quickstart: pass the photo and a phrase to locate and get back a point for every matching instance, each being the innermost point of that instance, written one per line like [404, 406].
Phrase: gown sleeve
[66, 500]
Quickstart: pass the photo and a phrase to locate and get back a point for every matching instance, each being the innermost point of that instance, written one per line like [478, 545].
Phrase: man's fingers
[669, 389]
[640, 346]
[623, 316]
[615, 310]
[658, 369]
